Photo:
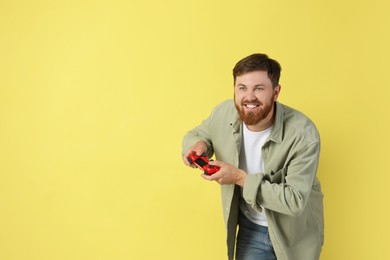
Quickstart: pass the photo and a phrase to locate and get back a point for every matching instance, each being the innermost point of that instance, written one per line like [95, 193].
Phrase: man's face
[254, 98]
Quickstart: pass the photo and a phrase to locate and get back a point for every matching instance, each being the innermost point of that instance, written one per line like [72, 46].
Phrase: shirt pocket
[278, 176]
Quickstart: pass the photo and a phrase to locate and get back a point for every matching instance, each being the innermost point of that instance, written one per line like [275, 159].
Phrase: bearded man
[268, 154]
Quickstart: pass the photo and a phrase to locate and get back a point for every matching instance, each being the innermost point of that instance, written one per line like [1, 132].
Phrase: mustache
[253, 102]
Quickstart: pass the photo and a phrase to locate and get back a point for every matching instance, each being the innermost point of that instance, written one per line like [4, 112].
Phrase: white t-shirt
[251, 161]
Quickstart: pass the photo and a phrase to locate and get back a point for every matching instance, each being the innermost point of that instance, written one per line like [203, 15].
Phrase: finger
[185, 157]
[206, 177]
[185, 160]
[199, 151]
[216, 163]
[187, 153]
[214, 176]
[199, 148]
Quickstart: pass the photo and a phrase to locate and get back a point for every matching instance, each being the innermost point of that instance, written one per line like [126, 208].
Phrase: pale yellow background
[95, 97]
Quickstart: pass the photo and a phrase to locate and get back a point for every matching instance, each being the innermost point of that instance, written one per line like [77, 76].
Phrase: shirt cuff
[252, 188]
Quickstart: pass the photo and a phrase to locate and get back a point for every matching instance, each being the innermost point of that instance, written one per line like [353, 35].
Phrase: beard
[252, 118]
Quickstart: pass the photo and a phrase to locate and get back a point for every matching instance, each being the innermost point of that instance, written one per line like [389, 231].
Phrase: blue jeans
[253, 241]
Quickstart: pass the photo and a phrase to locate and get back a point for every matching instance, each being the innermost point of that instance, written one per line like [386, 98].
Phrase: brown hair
[258, 62]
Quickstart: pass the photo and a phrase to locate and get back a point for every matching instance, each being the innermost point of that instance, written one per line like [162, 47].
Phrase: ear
[276, 92]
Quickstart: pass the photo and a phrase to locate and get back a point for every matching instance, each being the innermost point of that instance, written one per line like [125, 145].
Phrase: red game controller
[202, 162]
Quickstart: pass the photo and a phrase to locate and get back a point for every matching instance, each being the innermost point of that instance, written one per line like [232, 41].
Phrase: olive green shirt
[288, 189]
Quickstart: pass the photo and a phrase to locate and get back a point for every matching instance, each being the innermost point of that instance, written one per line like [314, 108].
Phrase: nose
[251, 95]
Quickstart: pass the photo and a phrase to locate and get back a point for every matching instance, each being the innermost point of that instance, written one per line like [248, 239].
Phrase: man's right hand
[199, 148]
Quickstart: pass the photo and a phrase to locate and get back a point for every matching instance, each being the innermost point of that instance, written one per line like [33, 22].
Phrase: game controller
[202, 162]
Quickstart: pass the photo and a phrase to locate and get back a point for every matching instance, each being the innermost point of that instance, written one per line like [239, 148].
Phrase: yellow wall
[95, 97]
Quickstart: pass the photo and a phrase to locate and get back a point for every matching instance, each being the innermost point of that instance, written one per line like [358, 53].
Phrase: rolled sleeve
[251, 188]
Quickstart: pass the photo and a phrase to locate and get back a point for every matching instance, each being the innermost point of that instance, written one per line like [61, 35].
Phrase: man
[268, 156]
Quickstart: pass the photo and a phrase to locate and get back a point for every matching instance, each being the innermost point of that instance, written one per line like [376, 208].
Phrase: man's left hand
[228, 174]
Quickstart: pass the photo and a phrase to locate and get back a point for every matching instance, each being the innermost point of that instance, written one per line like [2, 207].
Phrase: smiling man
[254, 97]
[268, 155]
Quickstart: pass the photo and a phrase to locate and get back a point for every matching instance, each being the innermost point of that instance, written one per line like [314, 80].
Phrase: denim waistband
[244, 222]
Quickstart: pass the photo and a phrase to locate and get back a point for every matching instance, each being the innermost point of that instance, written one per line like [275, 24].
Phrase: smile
[251, 105]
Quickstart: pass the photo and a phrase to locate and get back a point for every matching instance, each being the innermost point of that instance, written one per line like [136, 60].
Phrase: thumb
[200, 151]
[216, 163]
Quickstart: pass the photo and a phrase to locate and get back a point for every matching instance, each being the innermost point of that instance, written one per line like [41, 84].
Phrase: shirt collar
[277, 130]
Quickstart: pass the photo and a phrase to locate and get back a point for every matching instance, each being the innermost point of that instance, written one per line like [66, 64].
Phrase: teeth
[251, 106]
